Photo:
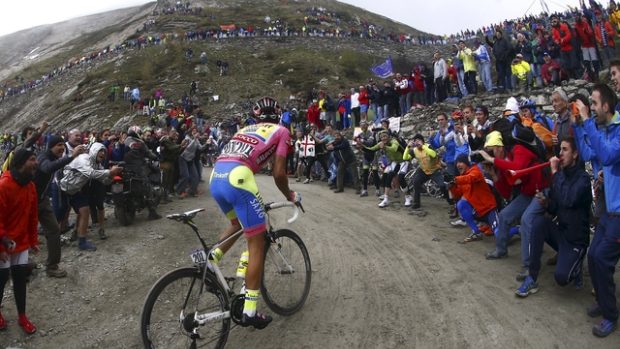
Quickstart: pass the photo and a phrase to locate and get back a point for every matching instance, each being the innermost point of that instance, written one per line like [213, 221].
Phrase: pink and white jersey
[254, 145]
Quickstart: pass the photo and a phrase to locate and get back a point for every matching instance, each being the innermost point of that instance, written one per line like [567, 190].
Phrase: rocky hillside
[278, 66]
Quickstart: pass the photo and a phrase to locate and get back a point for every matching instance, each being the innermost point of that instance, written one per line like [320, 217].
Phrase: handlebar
[296, 206]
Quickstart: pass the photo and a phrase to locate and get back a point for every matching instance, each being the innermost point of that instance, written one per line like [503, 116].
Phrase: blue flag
[383, 70]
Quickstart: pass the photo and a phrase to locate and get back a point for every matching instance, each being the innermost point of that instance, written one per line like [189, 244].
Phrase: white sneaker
[381, 197]
[408, 199]
[384, 203]
[307, 181]
[458, 223]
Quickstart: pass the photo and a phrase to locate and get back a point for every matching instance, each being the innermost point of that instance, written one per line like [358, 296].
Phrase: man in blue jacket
[445, 138]
[603, 132]
[346, 159]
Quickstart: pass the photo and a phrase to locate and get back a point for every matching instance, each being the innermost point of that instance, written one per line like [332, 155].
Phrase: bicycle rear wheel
[168, 312]
[287, 273]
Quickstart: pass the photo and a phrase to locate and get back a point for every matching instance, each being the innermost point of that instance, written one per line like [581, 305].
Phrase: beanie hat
[464, 158]
[418, 136]
[494, 139]
[53, 140]
[20, 157]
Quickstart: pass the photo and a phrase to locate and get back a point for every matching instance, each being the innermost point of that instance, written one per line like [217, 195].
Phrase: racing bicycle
[192, 307]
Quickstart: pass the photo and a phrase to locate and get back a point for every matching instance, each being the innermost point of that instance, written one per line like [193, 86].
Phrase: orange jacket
[473, 188]
[18, 213]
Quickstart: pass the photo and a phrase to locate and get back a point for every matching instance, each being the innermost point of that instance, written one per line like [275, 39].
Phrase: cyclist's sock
[242, 267]
[216, 255]
[251, 298]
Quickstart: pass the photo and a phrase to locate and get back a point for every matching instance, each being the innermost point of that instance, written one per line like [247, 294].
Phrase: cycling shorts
[234, 189]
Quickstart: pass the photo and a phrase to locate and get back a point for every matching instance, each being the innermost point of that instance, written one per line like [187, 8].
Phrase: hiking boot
[364, 193]
[594, 310]
[496, 255]
[55, 272]
[102, 234]
[2, 322]
[87, 246]
[384, 203]
[258, 321]
[523, 274]
[458, 223]
[604, 328]
[529, 286]
[408, 200]
[26, 325]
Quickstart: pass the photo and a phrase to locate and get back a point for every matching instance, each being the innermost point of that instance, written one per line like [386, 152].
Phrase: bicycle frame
[202, 319]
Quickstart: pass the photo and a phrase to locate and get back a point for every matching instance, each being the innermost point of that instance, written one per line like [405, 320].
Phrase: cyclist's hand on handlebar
[294, 197]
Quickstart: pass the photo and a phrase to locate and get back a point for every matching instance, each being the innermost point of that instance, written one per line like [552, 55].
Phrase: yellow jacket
[520, 69]
[469, 63]
[614, 17]
[427, 158]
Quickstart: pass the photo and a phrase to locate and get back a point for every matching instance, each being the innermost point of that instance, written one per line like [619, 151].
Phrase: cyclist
[236, 192]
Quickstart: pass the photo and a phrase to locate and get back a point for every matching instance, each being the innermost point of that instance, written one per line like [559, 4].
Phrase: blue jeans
[460, 77]
[402, 102]
[507, 217]
[188, 177]
[485, 75]
[602, 259]
[533, 210]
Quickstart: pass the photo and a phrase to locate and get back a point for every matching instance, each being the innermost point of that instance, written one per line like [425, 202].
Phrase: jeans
[485, 75]
[188, 177]
[460, 77]
[402, 102]
[533, 210]
[470, 82]
[421, 177]
[507, 217]
[602, 260]
[536, 74]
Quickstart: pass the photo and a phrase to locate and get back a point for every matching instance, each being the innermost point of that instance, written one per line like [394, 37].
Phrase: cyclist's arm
[280, 177]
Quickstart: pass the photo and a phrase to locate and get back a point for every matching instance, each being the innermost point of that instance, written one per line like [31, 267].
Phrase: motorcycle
[131, 192]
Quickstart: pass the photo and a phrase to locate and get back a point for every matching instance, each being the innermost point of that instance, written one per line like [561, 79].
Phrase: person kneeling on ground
[477, 201]
[569, 200]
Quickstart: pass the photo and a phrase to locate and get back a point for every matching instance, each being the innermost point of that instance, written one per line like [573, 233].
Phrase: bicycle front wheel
[168, 312]
[287, 273]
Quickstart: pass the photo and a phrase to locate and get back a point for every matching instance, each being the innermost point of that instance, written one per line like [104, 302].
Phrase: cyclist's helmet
[527, 103]
[134, 131]
[267, 109]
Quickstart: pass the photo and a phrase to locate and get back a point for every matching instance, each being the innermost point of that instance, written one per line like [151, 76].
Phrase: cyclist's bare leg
[232, 228]
[256, 246]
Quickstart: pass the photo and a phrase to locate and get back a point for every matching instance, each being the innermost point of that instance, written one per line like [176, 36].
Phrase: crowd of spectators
[523, 174]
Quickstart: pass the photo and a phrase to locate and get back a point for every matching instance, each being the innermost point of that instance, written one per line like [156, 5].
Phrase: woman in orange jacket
[18, 224]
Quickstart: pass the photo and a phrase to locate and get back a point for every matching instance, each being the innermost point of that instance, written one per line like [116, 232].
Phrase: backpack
[72, 181]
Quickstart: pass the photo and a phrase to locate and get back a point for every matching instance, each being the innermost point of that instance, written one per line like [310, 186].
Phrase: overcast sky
[434, 16]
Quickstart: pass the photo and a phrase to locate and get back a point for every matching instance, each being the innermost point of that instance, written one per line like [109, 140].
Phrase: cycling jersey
[232, 180]
[254, 145]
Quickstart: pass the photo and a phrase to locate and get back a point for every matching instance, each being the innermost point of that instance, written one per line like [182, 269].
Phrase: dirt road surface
[381, 279]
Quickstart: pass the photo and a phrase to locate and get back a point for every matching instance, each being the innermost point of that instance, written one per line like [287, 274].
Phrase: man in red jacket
[605, 33]
[18, 223]
[588, 51]
[562, 37]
